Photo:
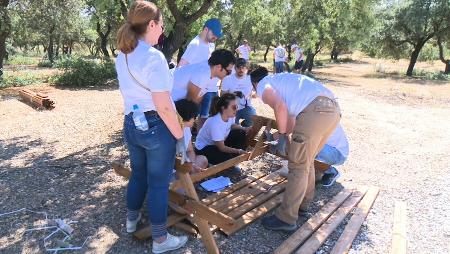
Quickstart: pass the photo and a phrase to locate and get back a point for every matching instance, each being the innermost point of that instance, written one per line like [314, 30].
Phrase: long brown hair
[139, 15]
[218, 104]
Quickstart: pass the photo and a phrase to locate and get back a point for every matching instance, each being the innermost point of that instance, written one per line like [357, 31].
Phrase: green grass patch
[22, 60]
[16, 79]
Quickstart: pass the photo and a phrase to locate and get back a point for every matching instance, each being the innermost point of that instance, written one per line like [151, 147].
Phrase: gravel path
[58, 162]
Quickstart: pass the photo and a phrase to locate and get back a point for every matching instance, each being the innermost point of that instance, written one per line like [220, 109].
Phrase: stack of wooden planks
[36, 99]
[314, 232]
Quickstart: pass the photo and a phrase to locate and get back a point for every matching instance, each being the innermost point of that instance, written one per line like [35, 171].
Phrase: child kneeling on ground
[188, 111]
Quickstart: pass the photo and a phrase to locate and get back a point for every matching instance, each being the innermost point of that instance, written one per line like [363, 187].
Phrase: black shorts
[298, 65]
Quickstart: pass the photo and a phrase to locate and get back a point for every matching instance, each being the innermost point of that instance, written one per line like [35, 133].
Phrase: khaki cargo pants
[312, 128]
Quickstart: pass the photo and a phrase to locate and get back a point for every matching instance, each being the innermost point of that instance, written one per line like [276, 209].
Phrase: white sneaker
[131, 224]
[171, 243]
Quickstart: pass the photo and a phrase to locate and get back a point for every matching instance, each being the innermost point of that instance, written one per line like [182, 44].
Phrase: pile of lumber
[36, 99]
[313, 233]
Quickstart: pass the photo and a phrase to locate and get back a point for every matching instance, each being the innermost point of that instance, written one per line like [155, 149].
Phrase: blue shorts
[331, 156]
[205, 105]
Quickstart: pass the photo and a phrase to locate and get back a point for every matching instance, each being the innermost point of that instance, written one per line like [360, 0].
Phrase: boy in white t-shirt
[244, 50]
[298, 57]
[188, 111]
[239, 83]
[279, 57]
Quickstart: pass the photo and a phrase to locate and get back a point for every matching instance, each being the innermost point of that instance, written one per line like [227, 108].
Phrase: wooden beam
[320, 236]
[146, 232]
[203, 226]
[258, 200]
[185, 168]
[211, 215]
[399, 230]
[344, 242]
[254, 214]
[308, 228]
[120, 169]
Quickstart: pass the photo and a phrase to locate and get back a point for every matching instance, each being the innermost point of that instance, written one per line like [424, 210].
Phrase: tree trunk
[104, 38]
[113, 50]
[441, 56]
[50, 49]
[175, 40]
[414, 56]
[265, 53]
[5, 29]
[288, 48]
[181, 51]
[309, 63]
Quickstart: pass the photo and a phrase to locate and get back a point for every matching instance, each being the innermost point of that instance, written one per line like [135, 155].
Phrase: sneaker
[329, 177]
[273, 223]
[171, 243]
[284, 170]
[131, 224]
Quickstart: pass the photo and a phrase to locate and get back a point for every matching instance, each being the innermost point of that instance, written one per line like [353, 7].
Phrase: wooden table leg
[203, 226]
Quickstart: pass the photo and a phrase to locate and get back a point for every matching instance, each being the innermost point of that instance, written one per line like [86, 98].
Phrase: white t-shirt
[296, 90]
[198, 50]
[339, 140]
[214, 129]
[245, 51]
[149, 67]
[187, 136]
[232, 84]
[298, 54]
[199, 74]
[280, 54]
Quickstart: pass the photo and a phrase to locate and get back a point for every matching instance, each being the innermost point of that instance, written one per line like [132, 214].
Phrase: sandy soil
[58, 162]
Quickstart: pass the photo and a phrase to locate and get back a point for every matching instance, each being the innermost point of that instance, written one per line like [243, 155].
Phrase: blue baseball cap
[215, 26]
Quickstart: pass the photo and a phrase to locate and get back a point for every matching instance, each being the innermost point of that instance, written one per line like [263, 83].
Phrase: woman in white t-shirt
[153, 139]
[220, 139]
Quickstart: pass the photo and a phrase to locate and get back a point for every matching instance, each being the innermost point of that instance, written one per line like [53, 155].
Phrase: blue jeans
[205, 105]
[279, 66]
[152, 156]
[246, 114]
[331, 156]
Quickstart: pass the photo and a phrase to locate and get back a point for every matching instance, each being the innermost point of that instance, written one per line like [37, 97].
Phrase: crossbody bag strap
[180, 120]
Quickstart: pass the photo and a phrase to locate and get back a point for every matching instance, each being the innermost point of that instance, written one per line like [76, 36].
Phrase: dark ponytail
[218, 104]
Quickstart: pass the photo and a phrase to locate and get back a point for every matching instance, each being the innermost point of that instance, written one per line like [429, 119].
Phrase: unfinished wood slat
[344, 242]
[249, 205]
[250, 191]
[254, 214]
[318, 238]
[236, 186]
[146, 232]
[308, 228]
[399, 230]
[218, 168]
[37, 99]
[121, 170]
[211, 215]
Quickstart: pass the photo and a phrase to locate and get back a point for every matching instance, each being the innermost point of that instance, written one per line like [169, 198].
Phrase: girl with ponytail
[220, 139]
[151, 129]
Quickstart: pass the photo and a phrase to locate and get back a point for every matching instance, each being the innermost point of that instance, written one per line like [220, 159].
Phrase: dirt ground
[58, 162]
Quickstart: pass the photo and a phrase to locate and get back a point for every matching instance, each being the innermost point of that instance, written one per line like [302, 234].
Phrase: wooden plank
[219, 168]
[203, 226]
[254, 214]
[399, 230]
[250, 191]
[120, 169]
[146, 232]
[260, 141]
[308, 228]
[185, 168]
[318, 238]
[344, 242]
[207, 213]
[258, 200]
[236, 186]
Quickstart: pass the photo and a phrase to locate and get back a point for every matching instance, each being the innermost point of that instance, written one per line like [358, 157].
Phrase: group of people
[171, 102]
[280, 58]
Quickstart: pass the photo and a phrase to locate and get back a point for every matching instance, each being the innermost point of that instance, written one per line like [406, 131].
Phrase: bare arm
[290, 124]
[226, 149]
[182, 62]
[193, 92]
[271, 98]
[166, 111]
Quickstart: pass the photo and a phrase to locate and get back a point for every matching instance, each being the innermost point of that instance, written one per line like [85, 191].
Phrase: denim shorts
[331, 156]
[205, 105]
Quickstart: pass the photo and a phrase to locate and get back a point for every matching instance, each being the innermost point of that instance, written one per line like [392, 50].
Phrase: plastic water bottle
[139, 118]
